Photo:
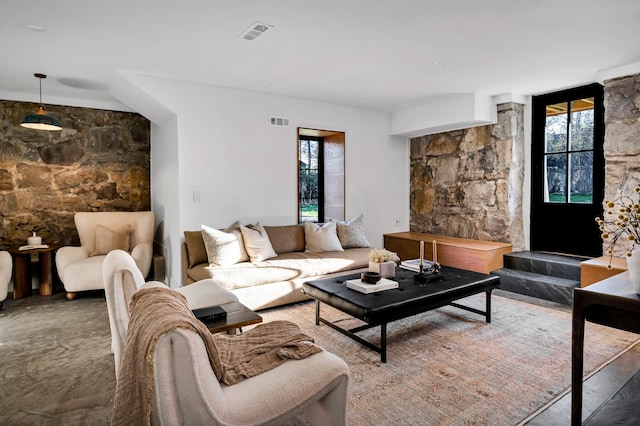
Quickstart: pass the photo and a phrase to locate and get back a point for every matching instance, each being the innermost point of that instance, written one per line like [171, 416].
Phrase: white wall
[164, 193]
[443, 114]
[245, 170]
[526, 190]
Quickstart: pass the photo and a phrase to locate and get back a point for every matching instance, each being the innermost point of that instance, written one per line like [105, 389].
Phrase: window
[320, 175]
[568, 152]
[311, 194]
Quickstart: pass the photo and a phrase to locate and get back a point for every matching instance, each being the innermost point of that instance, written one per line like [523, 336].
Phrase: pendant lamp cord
[40, 77]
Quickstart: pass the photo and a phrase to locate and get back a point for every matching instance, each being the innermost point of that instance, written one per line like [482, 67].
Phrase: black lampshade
[41, 120]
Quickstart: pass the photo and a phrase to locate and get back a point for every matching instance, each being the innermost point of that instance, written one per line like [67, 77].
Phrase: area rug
[449, 367]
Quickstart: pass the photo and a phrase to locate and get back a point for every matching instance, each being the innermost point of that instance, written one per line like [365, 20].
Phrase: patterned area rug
[449, 367]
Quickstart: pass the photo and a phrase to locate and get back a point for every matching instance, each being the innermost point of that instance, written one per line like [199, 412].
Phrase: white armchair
[122, 278]
[80, 268]
[6, 268]
[185, 388]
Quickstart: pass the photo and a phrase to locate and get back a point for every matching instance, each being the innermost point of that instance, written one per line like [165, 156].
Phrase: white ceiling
[377, 54]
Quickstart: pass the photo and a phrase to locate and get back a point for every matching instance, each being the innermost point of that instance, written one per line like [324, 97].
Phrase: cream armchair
[6, 268]
[122, 278]
[80, 268]
[186, 390]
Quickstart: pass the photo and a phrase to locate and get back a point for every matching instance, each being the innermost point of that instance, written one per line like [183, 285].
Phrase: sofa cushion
[284, 267]
[351, 233]
[84, 274]
[319, 239]
[224, 247]
[108, 239]
[285, 239]
[196, 251]
[256, 242]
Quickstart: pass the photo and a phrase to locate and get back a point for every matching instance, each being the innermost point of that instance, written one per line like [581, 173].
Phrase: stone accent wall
[468, 183]
[100, 161]
[622, 138]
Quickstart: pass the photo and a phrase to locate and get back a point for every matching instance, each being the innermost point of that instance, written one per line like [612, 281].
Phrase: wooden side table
[238, 316]
[594, 270]
[22, 270]
[611, 302]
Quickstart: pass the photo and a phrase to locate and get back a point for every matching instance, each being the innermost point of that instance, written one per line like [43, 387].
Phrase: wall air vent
[254, 31]
[279, 121]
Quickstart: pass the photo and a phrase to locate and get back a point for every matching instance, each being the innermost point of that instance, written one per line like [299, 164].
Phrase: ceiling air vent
[254, 31]
[279, 121]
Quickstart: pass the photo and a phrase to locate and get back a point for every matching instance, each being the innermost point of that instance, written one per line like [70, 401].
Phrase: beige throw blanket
[156, 311]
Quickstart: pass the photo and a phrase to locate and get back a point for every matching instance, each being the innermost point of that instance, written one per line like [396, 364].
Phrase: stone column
[622, 138]
[468, 183]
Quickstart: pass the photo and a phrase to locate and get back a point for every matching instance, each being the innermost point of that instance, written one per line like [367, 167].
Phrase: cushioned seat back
[184, 382]
[142, 224]
[121, 279]
[194, 249]
[6, 268]
[286, 238]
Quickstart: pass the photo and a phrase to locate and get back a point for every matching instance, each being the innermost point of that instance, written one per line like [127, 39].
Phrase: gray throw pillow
[351, 234]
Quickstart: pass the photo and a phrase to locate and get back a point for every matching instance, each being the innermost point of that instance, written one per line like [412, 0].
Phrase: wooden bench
[462, 253]
[594, 270]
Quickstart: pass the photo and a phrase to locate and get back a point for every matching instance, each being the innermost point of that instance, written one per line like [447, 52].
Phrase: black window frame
[320, 141]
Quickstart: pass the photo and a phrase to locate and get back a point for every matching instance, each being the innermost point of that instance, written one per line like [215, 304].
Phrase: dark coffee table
[410, 298]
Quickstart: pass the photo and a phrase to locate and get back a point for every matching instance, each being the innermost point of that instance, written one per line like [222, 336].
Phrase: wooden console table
[461, 253]
[611, 302]
[22, 270]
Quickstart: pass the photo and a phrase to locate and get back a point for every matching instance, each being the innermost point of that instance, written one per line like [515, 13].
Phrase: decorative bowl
[370, 277]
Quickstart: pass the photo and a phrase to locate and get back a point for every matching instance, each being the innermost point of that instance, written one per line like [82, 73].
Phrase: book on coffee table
[209, 314]
[383, 284]
[414, 265]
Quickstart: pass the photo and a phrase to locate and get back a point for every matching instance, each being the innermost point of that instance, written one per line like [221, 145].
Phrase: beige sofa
[275, 281]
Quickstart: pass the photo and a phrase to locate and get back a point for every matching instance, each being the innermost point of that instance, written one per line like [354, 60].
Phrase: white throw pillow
[257, 243]
[323, 238]
[351, 234]
[224, 247]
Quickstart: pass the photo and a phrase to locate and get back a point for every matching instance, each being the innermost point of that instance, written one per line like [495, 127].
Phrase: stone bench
[462, 253]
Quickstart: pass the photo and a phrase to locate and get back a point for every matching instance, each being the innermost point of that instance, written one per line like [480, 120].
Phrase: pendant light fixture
[41, 120]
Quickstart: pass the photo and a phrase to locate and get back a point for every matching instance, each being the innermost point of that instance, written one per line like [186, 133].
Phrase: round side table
[22, 270]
